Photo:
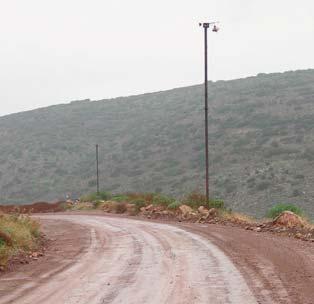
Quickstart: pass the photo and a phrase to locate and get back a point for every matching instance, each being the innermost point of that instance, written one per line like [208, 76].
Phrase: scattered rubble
[287, 223]
[131, 209]
[186, 211]
[203, 211]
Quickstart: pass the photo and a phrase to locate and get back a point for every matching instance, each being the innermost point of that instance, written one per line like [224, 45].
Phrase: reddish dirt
[64, 242]
[38, 207]
[124, 259]
[277, 269]
[276, 261]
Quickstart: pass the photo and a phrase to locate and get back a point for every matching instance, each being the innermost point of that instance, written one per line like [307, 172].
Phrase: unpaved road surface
[120, 260]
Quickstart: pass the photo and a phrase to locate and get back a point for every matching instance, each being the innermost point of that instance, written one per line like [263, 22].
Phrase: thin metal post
[206, 116]
[206, 26]
[97, 170]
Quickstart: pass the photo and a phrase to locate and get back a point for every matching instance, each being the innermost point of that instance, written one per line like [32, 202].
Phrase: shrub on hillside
[92, 197]
[196, 199]
[139, 204]
[216, 203]
[119, 197]
[174, 205]
[281, 207]
[162, 199]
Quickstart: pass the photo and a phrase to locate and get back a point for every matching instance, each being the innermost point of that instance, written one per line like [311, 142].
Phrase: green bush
[174, 205]
[162, 199]
[217, 203]
[92, 197]
[194, 200]
[119, 197]
[139, 204]
[280, 207]
[89, 197]
[105, 196]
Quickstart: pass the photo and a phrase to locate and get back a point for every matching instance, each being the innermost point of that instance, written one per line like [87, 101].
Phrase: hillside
[261, 144]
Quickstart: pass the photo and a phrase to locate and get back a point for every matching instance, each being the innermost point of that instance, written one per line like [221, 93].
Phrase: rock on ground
[288, 219]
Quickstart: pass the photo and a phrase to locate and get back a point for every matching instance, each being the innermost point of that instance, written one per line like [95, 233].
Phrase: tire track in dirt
[131, 261]
[277, 269]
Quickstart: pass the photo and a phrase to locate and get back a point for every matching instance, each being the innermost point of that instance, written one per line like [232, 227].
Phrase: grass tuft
[18, 233]
[275, 210]
[196, 199]
[91, 197]
[174, 205]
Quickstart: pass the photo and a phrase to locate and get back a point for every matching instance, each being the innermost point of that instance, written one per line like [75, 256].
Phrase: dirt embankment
[38, 207]
[287, 224]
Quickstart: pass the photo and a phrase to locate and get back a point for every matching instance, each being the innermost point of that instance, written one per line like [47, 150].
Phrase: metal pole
[97, 171]
[206, 116]
[206, 26]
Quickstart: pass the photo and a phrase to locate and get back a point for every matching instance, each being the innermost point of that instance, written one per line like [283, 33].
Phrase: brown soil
[277, 261]
[38, 207]
[277, 269]
[63, 243]
[275, 257]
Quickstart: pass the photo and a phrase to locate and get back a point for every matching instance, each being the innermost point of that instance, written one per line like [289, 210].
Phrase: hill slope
[261, 144]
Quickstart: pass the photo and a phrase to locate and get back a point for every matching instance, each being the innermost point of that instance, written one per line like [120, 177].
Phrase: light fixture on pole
[215, 28]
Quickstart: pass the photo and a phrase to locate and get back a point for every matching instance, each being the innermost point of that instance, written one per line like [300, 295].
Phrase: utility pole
[97, 171]
[206, 26]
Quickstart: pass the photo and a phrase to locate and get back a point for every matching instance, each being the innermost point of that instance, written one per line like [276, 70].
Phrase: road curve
[129, 261]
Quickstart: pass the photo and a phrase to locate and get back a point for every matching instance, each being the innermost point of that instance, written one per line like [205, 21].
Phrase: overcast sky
[61, 50]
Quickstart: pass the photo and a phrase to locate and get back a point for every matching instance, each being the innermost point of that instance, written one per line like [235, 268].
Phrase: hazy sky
[61, 50]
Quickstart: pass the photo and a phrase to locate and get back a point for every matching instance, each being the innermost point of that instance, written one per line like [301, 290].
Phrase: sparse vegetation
[217, 203]
[252, 121]
[18, 234]
[174, 205]
[237, 217]
[194, 199]
[119, 197]
[280, 207]
[91, 197]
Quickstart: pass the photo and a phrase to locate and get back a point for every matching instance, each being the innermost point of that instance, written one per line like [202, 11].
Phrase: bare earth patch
[122, 256]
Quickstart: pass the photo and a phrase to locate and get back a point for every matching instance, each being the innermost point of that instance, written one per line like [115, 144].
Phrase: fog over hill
[261, 137]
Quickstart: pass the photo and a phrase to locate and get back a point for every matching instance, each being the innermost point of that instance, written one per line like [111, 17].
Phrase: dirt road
[119, 260]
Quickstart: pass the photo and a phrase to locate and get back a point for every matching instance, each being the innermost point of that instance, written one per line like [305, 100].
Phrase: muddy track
[120, 260]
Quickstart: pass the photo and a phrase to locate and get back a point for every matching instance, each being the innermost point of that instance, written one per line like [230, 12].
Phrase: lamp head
[215, 28]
